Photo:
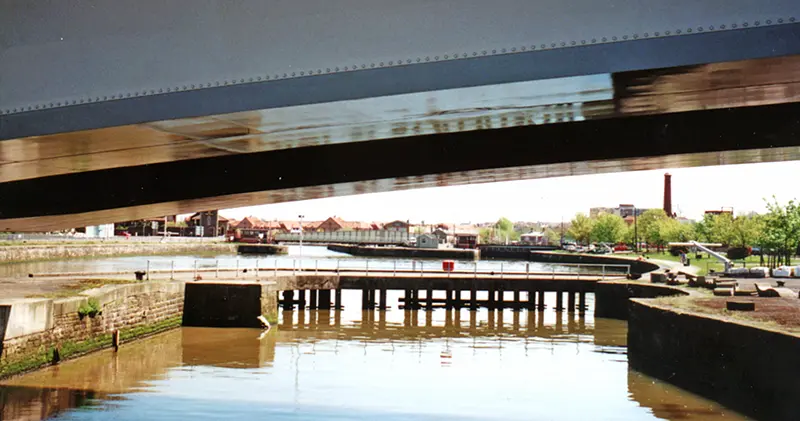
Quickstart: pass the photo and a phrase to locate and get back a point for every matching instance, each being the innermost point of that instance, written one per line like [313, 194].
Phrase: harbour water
[308, 257]
[354, 365]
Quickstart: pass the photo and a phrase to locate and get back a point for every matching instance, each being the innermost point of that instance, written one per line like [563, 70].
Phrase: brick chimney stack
[668, 194]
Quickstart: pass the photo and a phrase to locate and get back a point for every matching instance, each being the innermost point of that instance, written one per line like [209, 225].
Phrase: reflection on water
[350, 364]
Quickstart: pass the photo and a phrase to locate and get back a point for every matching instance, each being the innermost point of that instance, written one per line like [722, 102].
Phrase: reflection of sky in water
[312, 256]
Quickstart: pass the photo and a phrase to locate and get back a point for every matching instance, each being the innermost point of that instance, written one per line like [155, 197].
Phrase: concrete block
[28, 316]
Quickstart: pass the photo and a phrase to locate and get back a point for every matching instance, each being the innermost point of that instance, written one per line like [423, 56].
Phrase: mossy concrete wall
[747, 368]
[35, 330]
[611, 297]
[64, 251]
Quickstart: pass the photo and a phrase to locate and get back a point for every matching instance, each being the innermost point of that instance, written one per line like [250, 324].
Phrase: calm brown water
[395, 365]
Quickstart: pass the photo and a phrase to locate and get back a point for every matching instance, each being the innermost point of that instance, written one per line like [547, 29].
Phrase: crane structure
[725, 261]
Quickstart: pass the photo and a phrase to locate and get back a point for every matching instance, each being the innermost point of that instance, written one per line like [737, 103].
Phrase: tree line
[776, 233]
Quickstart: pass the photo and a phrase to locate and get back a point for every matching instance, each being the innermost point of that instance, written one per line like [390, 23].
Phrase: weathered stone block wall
[746, 368]
[134, 309]
[611, 297]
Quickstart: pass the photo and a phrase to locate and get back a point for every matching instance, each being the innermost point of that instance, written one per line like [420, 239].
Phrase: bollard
[237, 267]
[172, 271]
[276, 268]
[604, 272]
[148, 270]
[217, 266]
[475, 272]
[367, 267]
[421, 269]
[527, 271]
[294, 263]
[394, 271]
[256, 267]
[501, 270]
[316, 267]
[195, 270]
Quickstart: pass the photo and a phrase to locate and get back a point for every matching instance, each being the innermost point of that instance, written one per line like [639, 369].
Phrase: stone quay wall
[37, 332]
[750, 369]
[611, 297]
[22, 253]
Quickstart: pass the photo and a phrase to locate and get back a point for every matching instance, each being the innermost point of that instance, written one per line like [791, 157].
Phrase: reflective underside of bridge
[717, 114]
[629, 105]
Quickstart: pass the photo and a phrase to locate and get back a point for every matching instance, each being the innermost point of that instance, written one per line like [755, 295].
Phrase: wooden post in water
[337, 300]
[571, 302]
[429, 297]
[364, 298]
[301, 299]
[491, 303]
[382, 305]
[457, 304]
[115, 340]
[501, 299]
[473, 296]
[582, 303]
[324, 299]
[288, 300]
[312, 304]
[531, 299]
[541, 305]
[559, 301]
[517, 301]
[448, 300]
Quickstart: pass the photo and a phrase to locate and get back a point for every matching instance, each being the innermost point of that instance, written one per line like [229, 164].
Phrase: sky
[694, 190]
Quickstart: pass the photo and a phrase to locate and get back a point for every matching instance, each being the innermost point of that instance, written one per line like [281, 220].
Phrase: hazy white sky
[694, 190]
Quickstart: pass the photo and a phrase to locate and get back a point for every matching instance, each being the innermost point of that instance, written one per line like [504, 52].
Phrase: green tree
[782, 230]
[746, 230]
[553, 237]
[650, 228]
[485, 235]
[504, 224]
[608, 228]
[671, 230]
[504, 230]
[717, 229]
[581, 228]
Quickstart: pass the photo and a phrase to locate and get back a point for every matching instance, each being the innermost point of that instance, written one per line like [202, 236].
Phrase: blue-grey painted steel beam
[76, 65]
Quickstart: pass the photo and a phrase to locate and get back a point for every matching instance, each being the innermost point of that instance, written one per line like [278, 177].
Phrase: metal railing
[275, 267]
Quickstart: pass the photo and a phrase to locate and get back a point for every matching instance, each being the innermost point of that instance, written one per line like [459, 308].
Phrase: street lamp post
[635, 231]
[301, 235]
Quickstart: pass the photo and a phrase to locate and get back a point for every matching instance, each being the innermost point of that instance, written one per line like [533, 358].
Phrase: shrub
[90, 308]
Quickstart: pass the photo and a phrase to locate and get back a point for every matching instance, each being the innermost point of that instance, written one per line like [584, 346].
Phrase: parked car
[621, 247]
